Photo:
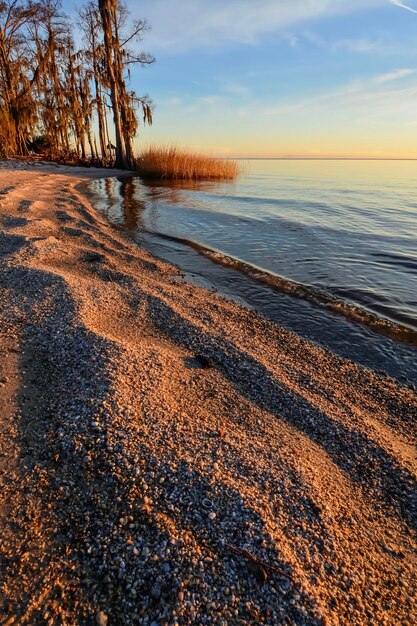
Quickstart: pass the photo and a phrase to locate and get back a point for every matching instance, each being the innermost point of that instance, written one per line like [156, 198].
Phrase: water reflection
[330, 228]
[131, 207]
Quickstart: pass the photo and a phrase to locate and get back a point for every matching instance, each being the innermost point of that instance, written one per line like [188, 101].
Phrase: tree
[18, 110]
[51, 93]
[49, 30]
[117, 59]
[91, 26]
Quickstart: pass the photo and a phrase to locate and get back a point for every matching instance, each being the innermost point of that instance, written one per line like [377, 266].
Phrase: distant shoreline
[322, 158]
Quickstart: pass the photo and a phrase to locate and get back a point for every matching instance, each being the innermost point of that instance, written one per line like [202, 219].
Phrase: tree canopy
[67, 101]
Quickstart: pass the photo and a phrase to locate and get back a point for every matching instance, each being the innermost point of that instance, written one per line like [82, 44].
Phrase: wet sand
[169, 457]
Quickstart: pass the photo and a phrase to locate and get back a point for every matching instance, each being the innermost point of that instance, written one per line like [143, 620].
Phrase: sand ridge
[132, 474]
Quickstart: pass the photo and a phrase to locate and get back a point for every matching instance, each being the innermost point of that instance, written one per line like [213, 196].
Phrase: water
[326, 248]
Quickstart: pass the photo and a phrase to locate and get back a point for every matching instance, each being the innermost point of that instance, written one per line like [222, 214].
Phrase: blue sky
[282, 77]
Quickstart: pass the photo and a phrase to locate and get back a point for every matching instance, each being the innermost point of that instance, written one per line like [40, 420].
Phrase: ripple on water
[305, 243]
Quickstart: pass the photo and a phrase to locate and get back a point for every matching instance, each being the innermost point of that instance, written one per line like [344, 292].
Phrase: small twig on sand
[259, 568]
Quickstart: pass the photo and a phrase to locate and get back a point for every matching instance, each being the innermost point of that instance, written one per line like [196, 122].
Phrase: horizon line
[318, 158]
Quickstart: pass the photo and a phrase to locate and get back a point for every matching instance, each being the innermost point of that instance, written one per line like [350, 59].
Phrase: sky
[281, 78]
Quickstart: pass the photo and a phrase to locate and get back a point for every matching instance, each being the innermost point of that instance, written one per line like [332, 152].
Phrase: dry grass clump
[174, 163]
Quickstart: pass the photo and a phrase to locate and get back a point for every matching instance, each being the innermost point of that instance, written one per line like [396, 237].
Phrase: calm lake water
[326, 248]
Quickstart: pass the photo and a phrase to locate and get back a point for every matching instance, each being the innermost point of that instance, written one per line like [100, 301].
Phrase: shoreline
[130, 464]
[339, 324]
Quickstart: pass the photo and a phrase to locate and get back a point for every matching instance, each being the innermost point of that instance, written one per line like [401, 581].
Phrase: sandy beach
[168, 457]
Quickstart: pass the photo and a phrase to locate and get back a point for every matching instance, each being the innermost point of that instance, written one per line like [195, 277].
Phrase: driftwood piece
[258, 567]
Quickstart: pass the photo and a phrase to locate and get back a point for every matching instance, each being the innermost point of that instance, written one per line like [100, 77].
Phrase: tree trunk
[99, 97]
[101, 123]
[107, 7]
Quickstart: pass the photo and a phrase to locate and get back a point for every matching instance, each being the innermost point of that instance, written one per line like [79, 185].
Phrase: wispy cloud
[315, 39]
[211, 100]
[356, 45]
[235, 89]
[183, 24]
[352, 45]
[374, 89]
[174, 101]
[293, 41]
[368, 101]
[313, 101]
[398, 3]
[396, 75]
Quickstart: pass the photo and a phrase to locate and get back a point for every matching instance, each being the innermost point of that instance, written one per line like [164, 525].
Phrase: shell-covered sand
[168, 457]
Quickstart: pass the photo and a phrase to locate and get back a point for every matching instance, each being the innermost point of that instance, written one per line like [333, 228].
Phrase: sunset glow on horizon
[281, 78]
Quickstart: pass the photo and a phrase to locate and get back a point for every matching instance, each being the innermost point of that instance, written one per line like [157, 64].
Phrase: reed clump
[173, 163]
